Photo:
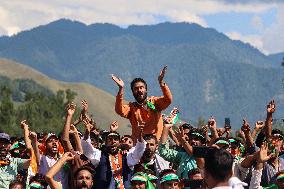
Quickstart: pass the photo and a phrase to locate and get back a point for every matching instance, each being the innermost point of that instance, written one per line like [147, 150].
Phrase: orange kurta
[143, 114]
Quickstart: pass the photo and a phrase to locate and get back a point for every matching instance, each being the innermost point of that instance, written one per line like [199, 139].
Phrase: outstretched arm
[120, 108]
[246, 130]
[65, 134]
[55, 169]
[213, 128]
[268, 122]
[164, 101]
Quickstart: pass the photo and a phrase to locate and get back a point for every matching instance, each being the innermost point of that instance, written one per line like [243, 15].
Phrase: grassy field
[101, 103]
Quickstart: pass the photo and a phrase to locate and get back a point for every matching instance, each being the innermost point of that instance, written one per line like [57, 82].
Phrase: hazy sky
[259, 22]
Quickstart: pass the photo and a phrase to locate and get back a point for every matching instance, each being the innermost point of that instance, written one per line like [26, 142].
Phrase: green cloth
[143, 177]
[184, 161]
[8, 173]
[273, 186]
[169, 177]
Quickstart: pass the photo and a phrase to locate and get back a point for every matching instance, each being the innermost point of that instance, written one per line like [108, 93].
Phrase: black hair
[277, 131]
[15, 183]
[138, 80]
[91, 170]
[150, 136]
[218, 163]
[128, 136]
[39, 178]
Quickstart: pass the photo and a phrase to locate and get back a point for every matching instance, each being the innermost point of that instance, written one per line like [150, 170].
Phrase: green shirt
[8, 173]
[184, 161]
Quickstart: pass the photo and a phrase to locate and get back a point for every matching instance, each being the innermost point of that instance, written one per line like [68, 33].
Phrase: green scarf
[143, 177]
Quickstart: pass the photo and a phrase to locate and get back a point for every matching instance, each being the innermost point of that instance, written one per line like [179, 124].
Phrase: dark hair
[127, 136]
[218, 163]
[15, 183]
[87, 168]
[150, 136]
[136, 80]
[277, 131]
[39, 178]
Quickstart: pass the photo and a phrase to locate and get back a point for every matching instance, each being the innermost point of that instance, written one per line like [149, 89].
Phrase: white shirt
[133, 156]
[46, 162]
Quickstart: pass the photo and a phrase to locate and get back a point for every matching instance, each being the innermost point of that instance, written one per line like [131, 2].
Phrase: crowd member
[52, 150]
[141, 180]
[170, 180]
[9, 166]
[146, 110]
[16, 185]
[113, 168]
[83, 176]
[38, 182]
[151, 159]
[218, 168]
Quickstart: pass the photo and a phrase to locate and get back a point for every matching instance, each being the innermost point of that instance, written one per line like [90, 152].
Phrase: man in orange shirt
[146, 110]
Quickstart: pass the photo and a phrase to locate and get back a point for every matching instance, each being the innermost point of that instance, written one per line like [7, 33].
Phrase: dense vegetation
[25, 99]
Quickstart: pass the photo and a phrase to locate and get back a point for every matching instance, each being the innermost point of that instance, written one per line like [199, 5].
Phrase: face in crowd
[136, 184]
[126, 143]
[112, 143]
[83, 180]
[151, 148]
[52, 144]
[4, 148]
[139, 91]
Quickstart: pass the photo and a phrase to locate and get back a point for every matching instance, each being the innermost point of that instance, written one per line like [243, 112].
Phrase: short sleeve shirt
[9, 172]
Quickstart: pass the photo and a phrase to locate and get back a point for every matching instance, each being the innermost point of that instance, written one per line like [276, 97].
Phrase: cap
[139, 177]
[5, 136]
[169, 177]
[222, 142]
[50, 135]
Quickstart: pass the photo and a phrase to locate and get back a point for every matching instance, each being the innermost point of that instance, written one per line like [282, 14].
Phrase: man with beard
[83, 176]
[146, 110]
[183, 159]
[9, 166]
[151, 159]
[113, 168]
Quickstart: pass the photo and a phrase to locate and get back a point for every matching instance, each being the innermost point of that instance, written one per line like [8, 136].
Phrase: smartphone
[227, 123]
[201, 151]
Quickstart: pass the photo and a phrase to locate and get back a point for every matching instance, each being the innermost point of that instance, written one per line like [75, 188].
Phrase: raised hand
[33, 136]
[24, 124]
[259, 125]
[263, 153]
[271, 107]
[68, 156]
[88, 125]
[71, 108]
[113, 126]
[118, 81]
[141, 129]
[162, 75]
[85, 106]
[180, 135]
[73, 129]
[245, 126]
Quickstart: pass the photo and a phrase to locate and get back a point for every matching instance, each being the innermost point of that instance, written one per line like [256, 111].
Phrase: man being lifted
[145, 110]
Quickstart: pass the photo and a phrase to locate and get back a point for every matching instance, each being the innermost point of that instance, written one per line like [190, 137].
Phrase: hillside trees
[44, 111]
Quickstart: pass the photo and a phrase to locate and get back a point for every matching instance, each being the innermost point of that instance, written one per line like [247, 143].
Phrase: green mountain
[208, 73]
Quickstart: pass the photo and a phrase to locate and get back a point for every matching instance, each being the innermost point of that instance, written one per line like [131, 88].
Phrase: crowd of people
[158, 154]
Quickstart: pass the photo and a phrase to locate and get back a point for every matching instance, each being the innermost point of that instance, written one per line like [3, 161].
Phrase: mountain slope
[208, 74]
[101, 103]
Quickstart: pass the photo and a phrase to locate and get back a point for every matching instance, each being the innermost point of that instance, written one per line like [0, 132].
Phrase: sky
[258, 22]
